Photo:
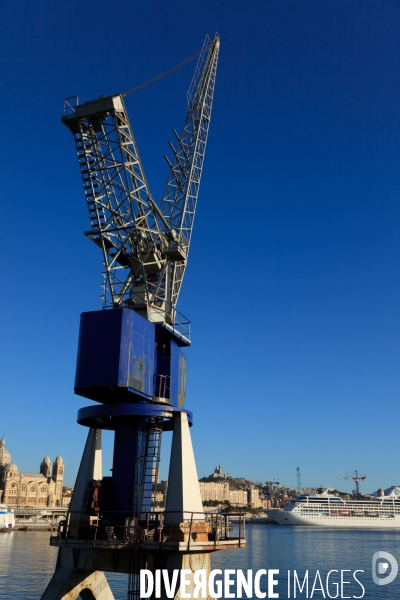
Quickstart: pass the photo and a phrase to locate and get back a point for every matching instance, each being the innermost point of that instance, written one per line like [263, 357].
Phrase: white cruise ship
[326, 510]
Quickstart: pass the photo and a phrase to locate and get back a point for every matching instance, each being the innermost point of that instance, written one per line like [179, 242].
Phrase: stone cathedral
[30, 489]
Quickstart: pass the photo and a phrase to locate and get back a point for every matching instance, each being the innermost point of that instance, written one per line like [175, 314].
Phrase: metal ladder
[149, 456]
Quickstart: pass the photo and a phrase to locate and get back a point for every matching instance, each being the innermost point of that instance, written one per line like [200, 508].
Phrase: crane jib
[145, 246]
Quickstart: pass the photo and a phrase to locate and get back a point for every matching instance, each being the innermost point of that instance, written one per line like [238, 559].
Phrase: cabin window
[136, 375]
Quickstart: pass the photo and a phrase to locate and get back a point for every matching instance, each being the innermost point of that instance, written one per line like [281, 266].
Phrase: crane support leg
[90, 469]
[185, 519]
[68, 583]
[190, 563]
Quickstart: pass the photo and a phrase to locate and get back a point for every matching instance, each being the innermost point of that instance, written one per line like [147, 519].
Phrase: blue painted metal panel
[182, 380]
[110, 416]
[139, 369]
[98, 349]
[178, 376]
[116, 350]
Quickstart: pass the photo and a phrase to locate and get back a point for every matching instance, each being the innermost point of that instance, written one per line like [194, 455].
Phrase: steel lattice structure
[180, 197]
[145, 247]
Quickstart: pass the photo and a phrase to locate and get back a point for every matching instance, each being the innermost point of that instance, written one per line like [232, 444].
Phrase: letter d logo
[382, 568]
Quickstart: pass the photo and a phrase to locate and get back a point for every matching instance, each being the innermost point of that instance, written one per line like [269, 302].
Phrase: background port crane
[299, 488]
[357, 478]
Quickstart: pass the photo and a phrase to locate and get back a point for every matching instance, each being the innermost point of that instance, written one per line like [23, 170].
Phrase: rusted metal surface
[69, 584]
[104, 548]
[196, 527]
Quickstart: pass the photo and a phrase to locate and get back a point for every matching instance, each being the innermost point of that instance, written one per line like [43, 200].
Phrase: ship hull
[283, 517]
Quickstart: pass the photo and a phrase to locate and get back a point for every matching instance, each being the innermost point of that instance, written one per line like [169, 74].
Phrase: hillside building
[211, 490]
[253, 497]
[238, 497]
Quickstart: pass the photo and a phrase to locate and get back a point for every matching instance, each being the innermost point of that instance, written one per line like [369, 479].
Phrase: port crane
[145, 249]
[270, 486]
[299, 488]
[130, 360]
[354, 475]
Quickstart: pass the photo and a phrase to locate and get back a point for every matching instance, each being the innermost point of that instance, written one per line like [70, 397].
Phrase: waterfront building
[238, 497]
[161, 493]
[222, 491]
[159, 499]
[162, 486]
[253, 497]
[31, 489]
[67, 496]
[210, 490]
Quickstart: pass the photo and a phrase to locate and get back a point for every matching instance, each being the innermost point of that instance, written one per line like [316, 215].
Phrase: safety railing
[70, 105]
[162, 386]
[171, 318]
[152, 527]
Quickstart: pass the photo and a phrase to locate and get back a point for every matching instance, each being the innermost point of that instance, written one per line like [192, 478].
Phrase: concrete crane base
[68, 584]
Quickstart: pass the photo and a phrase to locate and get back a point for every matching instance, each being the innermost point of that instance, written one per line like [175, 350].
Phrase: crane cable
[182, 64]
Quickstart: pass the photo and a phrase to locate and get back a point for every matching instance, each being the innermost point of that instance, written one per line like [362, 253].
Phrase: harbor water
[27, 561]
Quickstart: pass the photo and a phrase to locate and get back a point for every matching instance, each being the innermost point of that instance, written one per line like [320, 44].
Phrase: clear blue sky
[293, 278]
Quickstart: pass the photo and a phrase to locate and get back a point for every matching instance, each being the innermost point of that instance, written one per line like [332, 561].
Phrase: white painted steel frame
[144, 247]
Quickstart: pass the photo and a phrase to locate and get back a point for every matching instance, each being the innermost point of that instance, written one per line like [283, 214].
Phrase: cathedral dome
[11, 468]
[45, 467]
[59, 460]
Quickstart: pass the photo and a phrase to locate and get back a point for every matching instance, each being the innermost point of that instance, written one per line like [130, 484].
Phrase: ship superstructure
[328, 510]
